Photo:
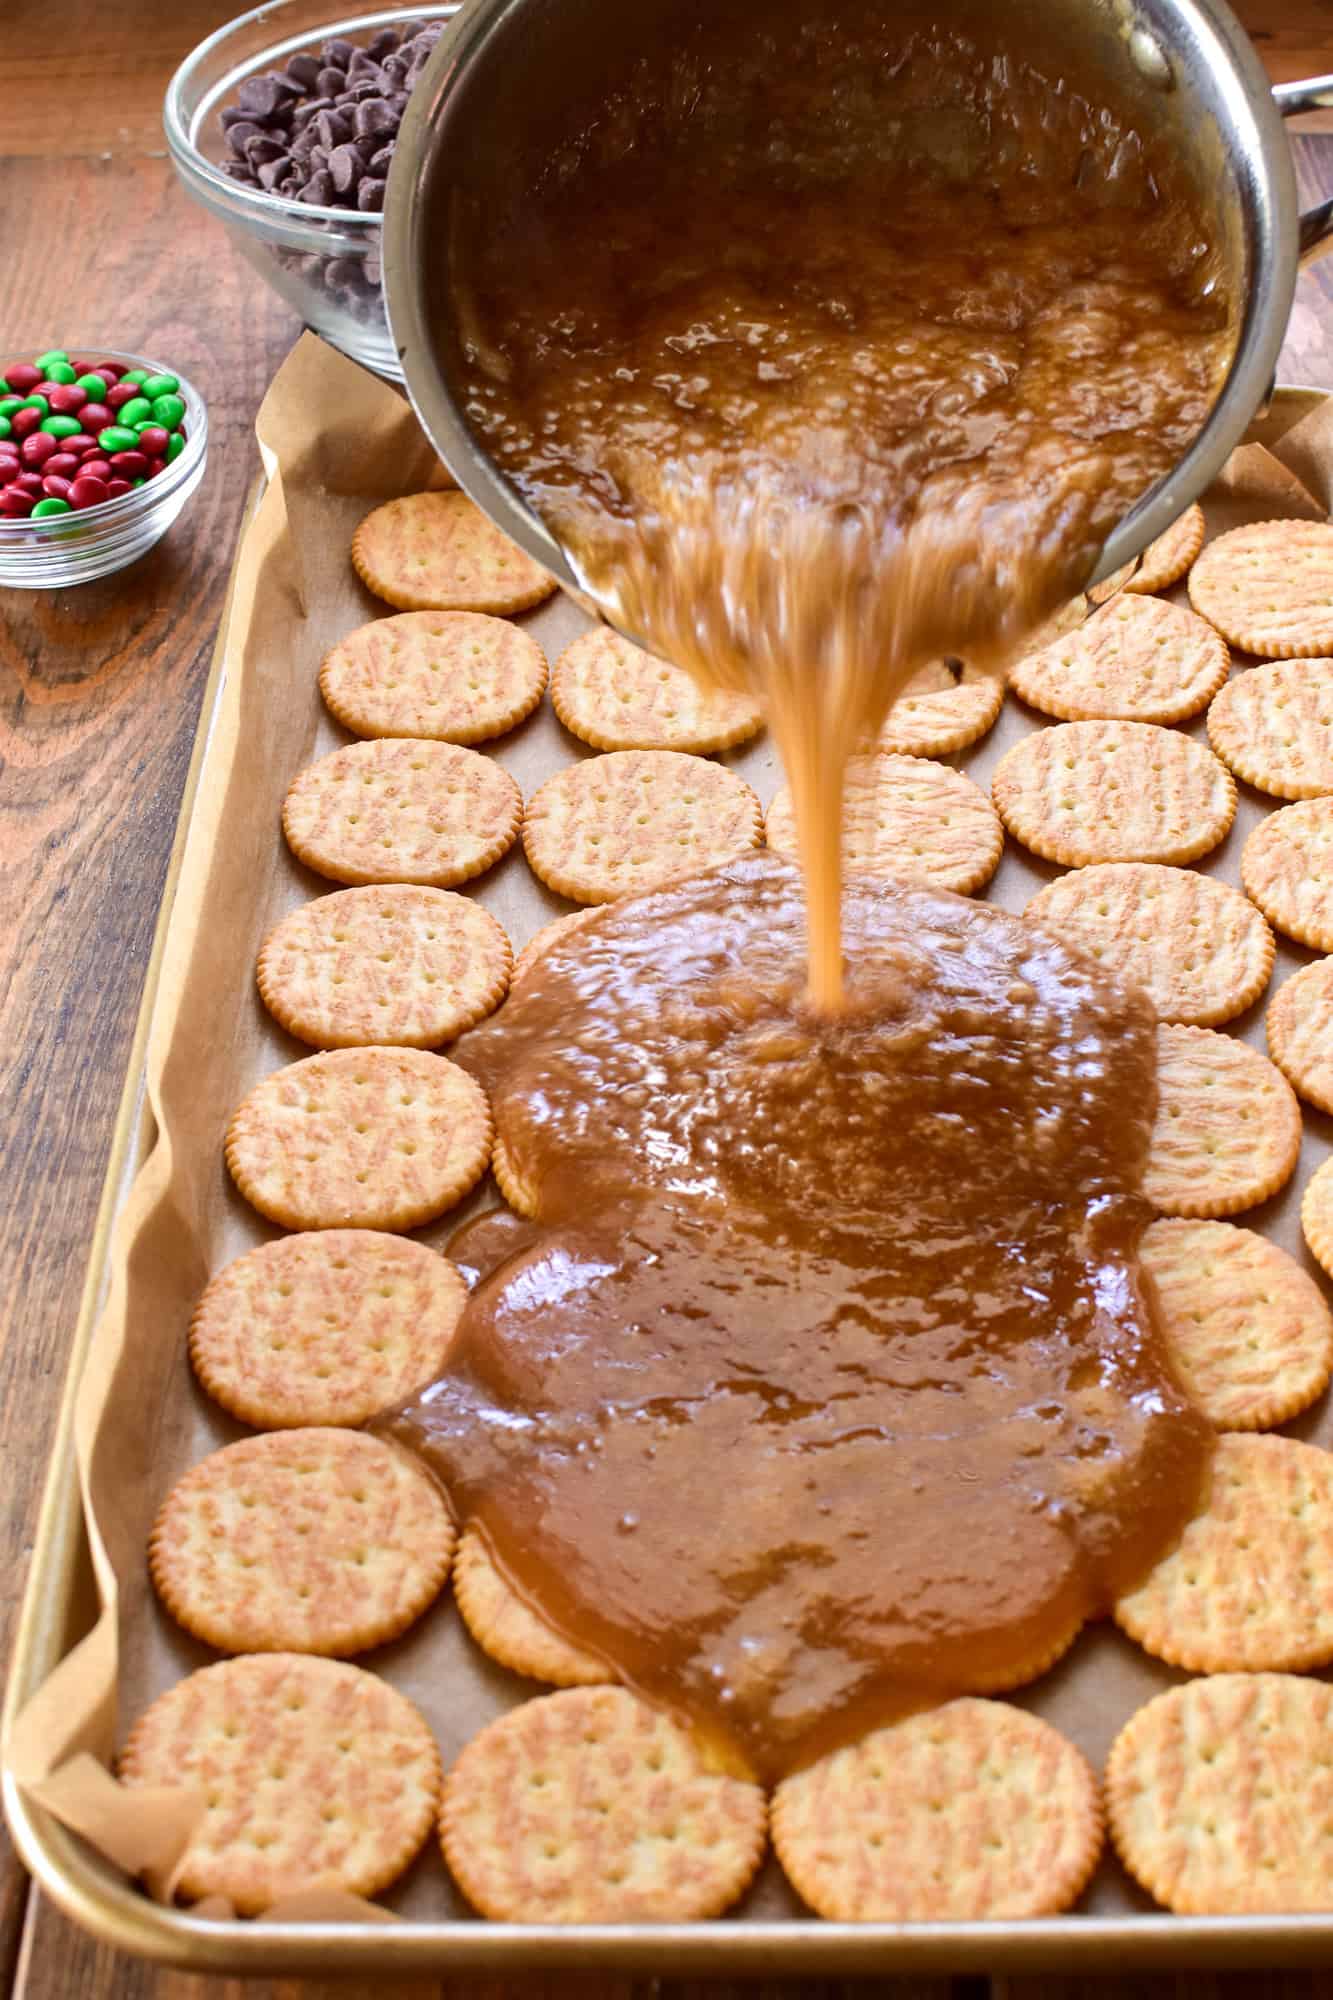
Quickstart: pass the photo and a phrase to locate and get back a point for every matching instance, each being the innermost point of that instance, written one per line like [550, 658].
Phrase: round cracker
[617, 697]
[1114, 791]
[971, 1810]
[393, 964]
[1197, 947]
[545, 937]
[458, 676]
[439, 552]
[634, 819]
[589, 1806]
[510, 1633]
[301, 1541]
[1286, 869]
[1300, 1032]
[1273, 726]
[360, 1139]
[395, 811]
[906, 818]
[1228, 1128]
[1219, 1795]
[1317, 1216]
[309, 1769]
[1248, 1332]
[944, 708]
[325, 1327]
[1166, 559]
[1268, 588]
[1138, 659]
[516, 1189]
[1245, 1589]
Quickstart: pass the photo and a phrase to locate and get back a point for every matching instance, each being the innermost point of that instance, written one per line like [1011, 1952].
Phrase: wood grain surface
[99, 692]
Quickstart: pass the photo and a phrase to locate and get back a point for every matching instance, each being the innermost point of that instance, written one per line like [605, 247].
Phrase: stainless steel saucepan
[488, 105]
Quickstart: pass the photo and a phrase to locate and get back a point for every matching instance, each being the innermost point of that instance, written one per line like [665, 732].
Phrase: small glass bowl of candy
[99, 452]
[281, 125]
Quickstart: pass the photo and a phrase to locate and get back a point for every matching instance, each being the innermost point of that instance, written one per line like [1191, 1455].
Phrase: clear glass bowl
[325, 262]
[75, 548]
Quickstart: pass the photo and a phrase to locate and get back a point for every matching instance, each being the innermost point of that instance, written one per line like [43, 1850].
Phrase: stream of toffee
[821, 1382]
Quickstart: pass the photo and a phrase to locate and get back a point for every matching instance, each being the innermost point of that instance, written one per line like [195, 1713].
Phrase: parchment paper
[335, 443]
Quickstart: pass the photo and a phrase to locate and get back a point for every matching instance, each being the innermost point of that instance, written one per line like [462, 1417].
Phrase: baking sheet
[335, 443]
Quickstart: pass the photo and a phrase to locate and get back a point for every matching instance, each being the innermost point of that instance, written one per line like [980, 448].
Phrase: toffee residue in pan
[825, 1385]
[836, 340]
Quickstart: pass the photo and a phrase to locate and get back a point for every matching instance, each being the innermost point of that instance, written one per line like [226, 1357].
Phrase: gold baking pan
[336, 443]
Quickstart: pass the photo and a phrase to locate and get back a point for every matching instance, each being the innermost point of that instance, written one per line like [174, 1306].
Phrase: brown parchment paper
[335, 442]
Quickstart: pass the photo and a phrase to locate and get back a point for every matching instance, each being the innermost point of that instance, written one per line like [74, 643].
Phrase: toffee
[825, 1386]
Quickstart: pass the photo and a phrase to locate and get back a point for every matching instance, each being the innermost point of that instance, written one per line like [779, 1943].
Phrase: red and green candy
[76, 433]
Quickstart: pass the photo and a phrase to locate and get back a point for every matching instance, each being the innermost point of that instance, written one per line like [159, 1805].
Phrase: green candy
[60, 371]
[60, 427]
[45, 508]
[137, 411]
[36, 403]
[175, 446]
[52, 354]
[167, 411]
[117, 438]
[133, 482]
[139, 375]
[5, 427]
[92, 385]
[160, 385]
[8, 405]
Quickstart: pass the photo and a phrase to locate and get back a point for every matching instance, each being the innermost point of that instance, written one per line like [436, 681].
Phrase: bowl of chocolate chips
[283, 125]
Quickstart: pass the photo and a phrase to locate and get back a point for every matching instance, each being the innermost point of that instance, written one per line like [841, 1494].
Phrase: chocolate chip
[342, 271]
[334, 129]
[318, 158]
[241, 132]
[278, 169]
[379, 163]
[330, 81]
[262, 148]
[305, 112]
[383, 44]
[304, 143]
[395, 70]
[375, 119]
[362, 64]
[370, 196]
[318, 190]
[261, 95]
[233, 115]
[346, 167]
[239, 170]
[338, 53]
[303, 71]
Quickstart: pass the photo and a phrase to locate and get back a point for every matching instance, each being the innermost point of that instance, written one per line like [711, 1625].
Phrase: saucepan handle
[1312, 93]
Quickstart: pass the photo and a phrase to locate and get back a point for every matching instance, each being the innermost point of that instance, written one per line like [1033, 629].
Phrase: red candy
[112, 369]
[67, 397]
[38, 447]
[115, 487]
[16, 503]
[154, 440]
[129, 464]
[95, 417]
[95, 467]
[29, 482]
[87, 491]
[24, 421]
[23, 378]
[66, 463]
[55, 488]
[121, 393]
[79, 444]
[155, 466]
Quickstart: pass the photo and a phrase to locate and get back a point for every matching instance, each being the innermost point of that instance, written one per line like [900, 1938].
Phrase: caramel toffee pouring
[825, 1384]
[829, 343]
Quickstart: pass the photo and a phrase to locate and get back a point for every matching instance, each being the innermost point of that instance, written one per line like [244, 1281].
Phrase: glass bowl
[325, 262]
[75, 548]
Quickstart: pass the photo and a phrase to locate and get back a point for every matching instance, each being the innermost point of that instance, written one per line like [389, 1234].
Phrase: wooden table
[99, 691]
